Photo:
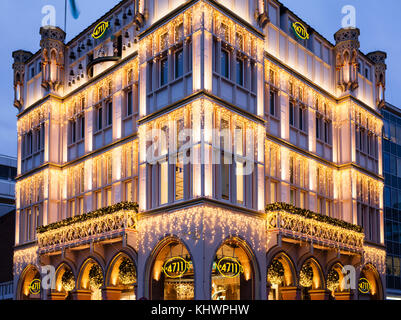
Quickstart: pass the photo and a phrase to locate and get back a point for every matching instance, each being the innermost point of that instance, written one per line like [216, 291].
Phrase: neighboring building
[7, 231]
[392, 197]
[8, 171]
[274, 119]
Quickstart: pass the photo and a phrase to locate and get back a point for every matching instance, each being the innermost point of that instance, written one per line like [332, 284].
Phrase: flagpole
[65, 17]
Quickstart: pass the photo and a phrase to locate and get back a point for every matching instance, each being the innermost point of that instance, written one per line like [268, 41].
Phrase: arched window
[232, 273]
[172, 273]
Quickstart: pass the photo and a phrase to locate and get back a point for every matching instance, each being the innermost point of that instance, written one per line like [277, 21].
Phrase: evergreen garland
[275, 273]
[90, 215]
[313, 215]
[306, 275]
[68, 280]
[333, 280]
[127, 272]
[95, 277]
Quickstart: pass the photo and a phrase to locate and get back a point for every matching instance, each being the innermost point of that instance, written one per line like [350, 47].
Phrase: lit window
[293, 197]
[128, 191]
[164, 182]
[108, 197]
[240, 182]
[273, 192]
[179, 180]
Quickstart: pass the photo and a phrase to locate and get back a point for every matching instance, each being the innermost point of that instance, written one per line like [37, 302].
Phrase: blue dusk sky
[21, 20]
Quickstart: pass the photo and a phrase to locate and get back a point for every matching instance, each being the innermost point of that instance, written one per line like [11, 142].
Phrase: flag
[74, 9]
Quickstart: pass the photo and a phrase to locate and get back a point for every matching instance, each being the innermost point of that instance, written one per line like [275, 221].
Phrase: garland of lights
[333, 280]
[275, 273]
[95, 277]
[90, 215]
[68, 280]
[313, 215]
[306, 275]
[127, 272]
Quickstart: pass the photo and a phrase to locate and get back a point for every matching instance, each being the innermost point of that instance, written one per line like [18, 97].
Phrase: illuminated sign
[175, 267]
[300, 31]
[100, 29]
[34, 286]
[229, 267]
[363, 285]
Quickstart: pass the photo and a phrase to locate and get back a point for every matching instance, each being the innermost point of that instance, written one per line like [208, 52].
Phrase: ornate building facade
[199, 150]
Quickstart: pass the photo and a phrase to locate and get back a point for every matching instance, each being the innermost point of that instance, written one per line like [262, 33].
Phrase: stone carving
[379, 59]
[53, 50]
[347, 46]
[20, 57]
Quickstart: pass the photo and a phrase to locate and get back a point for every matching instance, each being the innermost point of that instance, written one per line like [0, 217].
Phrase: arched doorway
[123, 275]
[29, 285]
[369, 284]
[91, 278]
[65, 280]
[172, 272]
[280, 274]
[233, 273]
[310, 278]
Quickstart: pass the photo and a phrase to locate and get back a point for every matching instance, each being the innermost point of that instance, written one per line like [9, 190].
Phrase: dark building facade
[392, 197]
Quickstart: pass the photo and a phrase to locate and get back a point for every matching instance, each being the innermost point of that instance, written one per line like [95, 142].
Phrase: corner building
[119, 222]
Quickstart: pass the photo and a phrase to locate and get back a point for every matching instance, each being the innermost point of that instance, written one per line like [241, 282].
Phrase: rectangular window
[302, 200]
[273, 192]
[301, 119]
[109, 113]
[98, 199]
[179, 180]
[108, 197]
[293, 197]
[240, 72]
[292, 114]
[225, 179]
[272, 103]
[317, 127]
[163, 72]
[326, 131]
[82, 127]
[129, 103]
[128, 191]
[73, 126]
[164, 182]
[225, 64]
[240, 182]
[81, 206]
[179, 64]
[99, 118]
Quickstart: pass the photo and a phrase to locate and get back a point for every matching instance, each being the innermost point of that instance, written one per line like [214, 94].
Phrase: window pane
[164, 182]
[129, 103]
[163, 72]
[179, 180]
[240, 182]
[179, 65]
[240, 72]
[224, 63]
[272, 103]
